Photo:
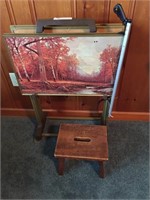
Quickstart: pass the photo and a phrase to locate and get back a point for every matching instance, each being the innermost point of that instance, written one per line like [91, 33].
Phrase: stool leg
[61, 162]
[102, 170]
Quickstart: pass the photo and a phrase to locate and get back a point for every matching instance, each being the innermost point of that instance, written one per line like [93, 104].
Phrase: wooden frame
[68, 67]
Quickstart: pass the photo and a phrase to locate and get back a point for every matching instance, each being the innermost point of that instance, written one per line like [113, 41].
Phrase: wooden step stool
[87, 142]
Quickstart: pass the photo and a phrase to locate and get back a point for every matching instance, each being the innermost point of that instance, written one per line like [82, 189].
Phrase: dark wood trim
[73, 8]
[106, 11]
[131, 116]
[10, 12]
[17, 112]
[32, 11]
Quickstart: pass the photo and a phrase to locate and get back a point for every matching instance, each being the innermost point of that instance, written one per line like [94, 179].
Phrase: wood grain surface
[82, 142]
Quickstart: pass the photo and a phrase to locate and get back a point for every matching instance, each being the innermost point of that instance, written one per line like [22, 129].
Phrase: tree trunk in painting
[42, 69]
[23, 66]
[53, 73]
[18, 71]
[21, 60]
[16, 54]
[19, 75]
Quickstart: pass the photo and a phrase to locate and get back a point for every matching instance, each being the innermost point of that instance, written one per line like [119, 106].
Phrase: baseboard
[130, 116]
[116, 115]
[17, 112]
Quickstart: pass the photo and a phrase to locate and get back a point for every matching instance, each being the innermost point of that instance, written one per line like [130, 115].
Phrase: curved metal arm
[120, 63]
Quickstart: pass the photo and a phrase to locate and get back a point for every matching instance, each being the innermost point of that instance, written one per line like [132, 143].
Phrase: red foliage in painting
[109, 58]
[42, 58]
[67, 67]
[47, 64]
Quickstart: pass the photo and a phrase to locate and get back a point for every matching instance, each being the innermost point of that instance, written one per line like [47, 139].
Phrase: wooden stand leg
[102, 170]
[61, 163]
[105, 111]
[40, 118]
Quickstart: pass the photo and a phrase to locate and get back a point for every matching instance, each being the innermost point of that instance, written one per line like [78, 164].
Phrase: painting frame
[84, 35]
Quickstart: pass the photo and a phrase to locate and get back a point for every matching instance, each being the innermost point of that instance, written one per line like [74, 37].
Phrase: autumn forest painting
[61, 65]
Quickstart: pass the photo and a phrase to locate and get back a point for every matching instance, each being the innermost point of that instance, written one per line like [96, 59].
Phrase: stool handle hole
[82, 139]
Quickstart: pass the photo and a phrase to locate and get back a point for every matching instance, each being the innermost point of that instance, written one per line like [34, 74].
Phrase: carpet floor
[29, 169]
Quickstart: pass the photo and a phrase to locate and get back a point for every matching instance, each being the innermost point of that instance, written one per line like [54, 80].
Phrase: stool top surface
[81, 141]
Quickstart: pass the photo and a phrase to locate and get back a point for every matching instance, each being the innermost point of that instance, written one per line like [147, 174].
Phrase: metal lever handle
[118, 10]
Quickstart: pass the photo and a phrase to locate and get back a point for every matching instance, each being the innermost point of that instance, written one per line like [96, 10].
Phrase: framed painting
[62, 64]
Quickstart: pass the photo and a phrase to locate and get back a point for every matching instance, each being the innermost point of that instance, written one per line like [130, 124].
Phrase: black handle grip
[43, 23]
[120, 13]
